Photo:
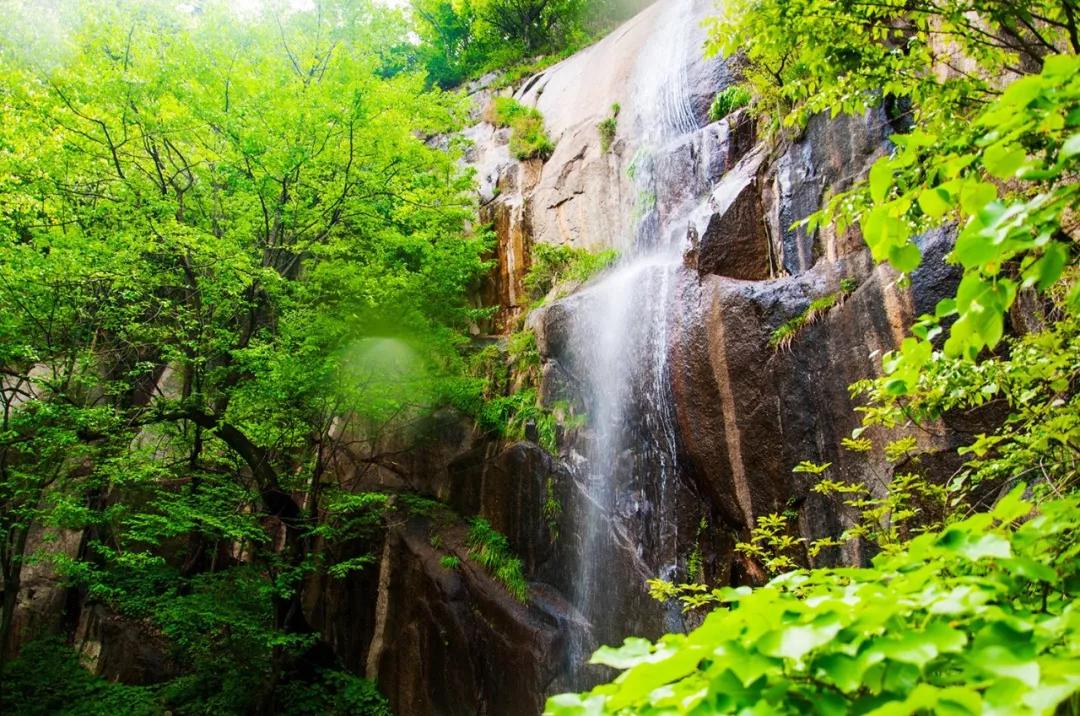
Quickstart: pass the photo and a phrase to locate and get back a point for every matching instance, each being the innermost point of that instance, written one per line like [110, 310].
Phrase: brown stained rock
[735, 242]
[748, 413]
[503, 286]
[453, 641]
[123, 649]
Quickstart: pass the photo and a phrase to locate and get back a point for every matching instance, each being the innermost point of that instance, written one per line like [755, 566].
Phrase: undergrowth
[552, 509]
[552, 265]
[785, 334]
[528, 138]
[491, 550]
[607, 128]
[727, 101]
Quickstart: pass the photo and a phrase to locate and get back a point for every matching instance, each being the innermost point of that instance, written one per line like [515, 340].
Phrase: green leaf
[1049, 267]
[881, 175]
[908, 648]
[840, 669]
[1003, 662]
[1012, 506]
[945, 307]
[633, 651]
[974, 195]
[905, 258]
[1071, 147]
[1002, 161]
[935, 202]
[797, 640]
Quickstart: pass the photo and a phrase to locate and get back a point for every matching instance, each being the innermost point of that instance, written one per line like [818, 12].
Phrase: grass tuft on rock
[491, 550]
[727, 101]
[528, 138]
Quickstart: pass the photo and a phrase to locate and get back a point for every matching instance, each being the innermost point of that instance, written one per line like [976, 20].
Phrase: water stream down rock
[694, 421]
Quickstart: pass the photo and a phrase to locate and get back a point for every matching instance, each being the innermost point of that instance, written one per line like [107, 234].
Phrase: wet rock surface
[735, 241]
[452, 641]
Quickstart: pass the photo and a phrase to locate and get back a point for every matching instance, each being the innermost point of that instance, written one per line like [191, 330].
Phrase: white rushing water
[620, 340]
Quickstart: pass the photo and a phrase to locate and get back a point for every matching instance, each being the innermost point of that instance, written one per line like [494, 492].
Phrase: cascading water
[619, 341]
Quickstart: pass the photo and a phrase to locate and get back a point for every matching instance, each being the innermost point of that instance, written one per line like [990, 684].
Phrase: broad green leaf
[935, 202]
[1002, 161]
[881, 177]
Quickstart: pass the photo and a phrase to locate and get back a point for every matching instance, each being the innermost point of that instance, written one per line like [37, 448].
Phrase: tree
[230, 264]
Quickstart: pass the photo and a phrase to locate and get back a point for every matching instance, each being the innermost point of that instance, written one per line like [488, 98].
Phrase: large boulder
[735, 241]
[749, 412]
[451, 640]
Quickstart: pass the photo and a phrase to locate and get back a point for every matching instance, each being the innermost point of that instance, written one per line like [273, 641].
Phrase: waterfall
[619, 341]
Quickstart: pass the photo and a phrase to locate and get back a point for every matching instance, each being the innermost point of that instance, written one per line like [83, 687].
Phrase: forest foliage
[236, 254]
[461, 40]
[235, 260]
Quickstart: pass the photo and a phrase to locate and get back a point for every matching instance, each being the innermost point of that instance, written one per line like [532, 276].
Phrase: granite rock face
[453, 641]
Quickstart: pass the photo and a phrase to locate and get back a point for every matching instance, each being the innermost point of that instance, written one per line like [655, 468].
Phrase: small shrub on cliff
[520, 416]
[552, 509]
[784, 334]
[491, 550]
[524, 355]
[727, 101]
[528, 139]
[607, 128]
[553, 264]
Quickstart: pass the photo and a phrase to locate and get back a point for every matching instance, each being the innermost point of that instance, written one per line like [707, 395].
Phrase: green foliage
[727, 101]
[992, 149]
[1024, 139]
[991, 155]
[515, 415]
[607, 128]
[551, 265]
[336, 693]
[977, 618]
[528, 140]
[254, 266]
[828, 56]
[695, 562]
[492, 551]
[1032, 377]
[785, 333]
[46, 680]
[772, 544]
[449, 561]
[976, 615]
[524, 355]
[463, 39]
[552, 509]
[519, 415]
[911, 505]
[450, 49]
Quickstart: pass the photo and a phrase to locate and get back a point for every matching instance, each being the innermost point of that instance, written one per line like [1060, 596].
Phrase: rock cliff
[695, 414]
[744, 411]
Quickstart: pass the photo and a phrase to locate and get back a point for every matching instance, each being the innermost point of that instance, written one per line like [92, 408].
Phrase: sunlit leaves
[1000, 222]
[939, 627]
